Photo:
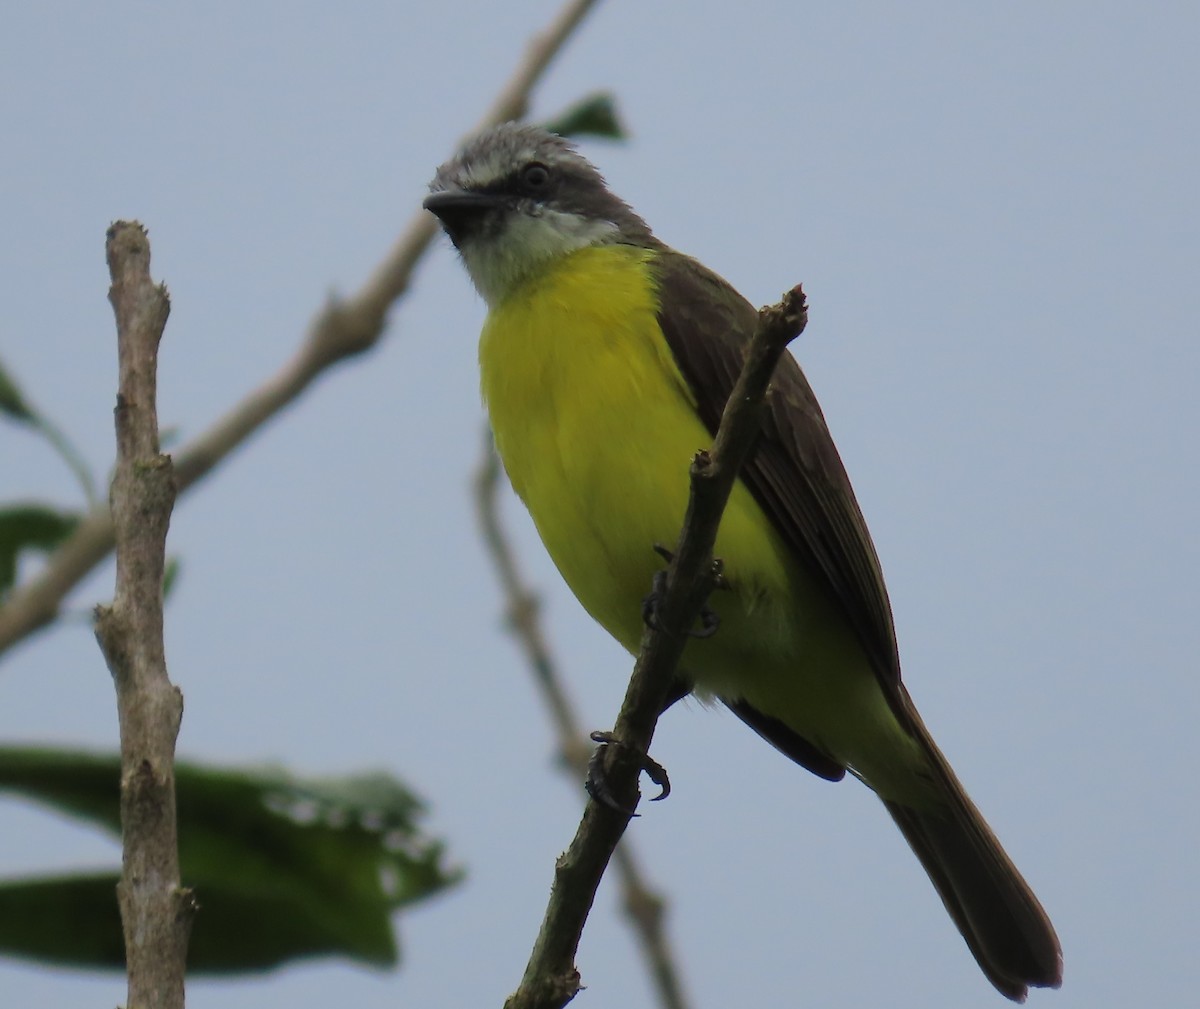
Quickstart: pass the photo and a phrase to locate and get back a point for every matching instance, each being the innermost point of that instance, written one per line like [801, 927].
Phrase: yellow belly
[596, 428]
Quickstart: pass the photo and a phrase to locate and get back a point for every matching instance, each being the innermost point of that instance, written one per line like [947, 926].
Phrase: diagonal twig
[342, 329]
[645, 908]
[551, 979]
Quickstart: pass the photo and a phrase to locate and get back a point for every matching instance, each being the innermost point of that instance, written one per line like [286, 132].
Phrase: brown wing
[798, 480]
[795, 472]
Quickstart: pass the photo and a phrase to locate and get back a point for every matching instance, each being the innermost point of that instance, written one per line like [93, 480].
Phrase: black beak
[460, 210]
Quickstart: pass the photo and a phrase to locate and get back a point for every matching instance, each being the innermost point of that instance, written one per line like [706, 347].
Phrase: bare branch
[342, 329]
[551, 979]
[156, 913]
[643, 905]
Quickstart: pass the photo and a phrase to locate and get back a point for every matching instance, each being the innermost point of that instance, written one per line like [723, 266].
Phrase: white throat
[500, 263]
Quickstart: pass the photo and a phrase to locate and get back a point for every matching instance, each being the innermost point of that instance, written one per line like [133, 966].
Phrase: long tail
[992, 905]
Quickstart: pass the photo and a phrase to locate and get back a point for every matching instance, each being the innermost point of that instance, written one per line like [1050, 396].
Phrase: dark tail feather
[993, 907]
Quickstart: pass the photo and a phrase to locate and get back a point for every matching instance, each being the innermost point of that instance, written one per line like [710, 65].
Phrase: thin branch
[156, 912]
[342, 329]
[645, 907]
[551, 979]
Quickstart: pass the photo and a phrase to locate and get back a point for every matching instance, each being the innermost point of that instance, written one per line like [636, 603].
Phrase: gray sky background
[993, 208]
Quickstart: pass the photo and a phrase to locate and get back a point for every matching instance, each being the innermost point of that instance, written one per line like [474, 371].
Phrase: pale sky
[993, 209]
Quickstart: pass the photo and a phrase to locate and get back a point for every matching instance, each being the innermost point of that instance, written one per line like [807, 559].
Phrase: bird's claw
[596, 782]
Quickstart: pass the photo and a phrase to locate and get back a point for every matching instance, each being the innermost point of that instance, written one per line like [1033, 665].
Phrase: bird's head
[517, 198]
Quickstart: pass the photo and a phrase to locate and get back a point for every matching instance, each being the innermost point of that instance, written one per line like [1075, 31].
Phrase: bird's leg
[650, 605]
[596, 782]
[679, 689]
[709, 621]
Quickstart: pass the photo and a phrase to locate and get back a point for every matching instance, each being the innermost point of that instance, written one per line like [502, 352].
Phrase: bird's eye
[535, 176]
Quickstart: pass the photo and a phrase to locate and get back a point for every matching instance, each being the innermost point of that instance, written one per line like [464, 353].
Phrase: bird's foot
[596, 782]
[709, 621]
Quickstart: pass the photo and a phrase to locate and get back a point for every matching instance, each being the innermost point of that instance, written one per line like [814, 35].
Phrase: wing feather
[795, 472]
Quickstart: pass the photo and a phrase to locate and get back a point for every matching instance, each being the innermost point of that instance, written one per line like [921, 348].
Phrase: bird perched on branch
[606, 359]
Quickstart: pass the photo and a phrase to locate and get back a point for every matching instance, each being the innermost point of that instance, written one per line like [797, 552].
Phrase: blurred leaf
[170, 575]
[593, 116]
[29, 527]
[69, 454]
[282, 867]
[14, 403]
[11, 400]
[34, 915]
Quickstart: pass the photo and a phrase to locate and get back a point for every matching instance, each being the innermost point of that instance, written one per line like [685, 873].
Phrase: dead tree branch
[156, 912]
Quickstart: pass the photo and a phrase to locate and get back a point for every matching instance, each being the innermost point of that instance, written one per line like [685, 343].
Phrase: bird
[606, 358]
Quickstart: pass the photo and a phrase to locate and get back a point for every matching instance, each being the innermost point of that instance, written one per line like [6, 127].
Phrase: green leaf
[29, 527]
[14, 403]
[171, 575]
[11, 400]
[34, 915]
[593, 116]
[282, 867]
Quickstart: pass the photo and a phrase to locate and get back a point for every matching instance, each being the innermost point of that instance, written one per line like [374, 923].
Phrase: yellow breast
[597, 427]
